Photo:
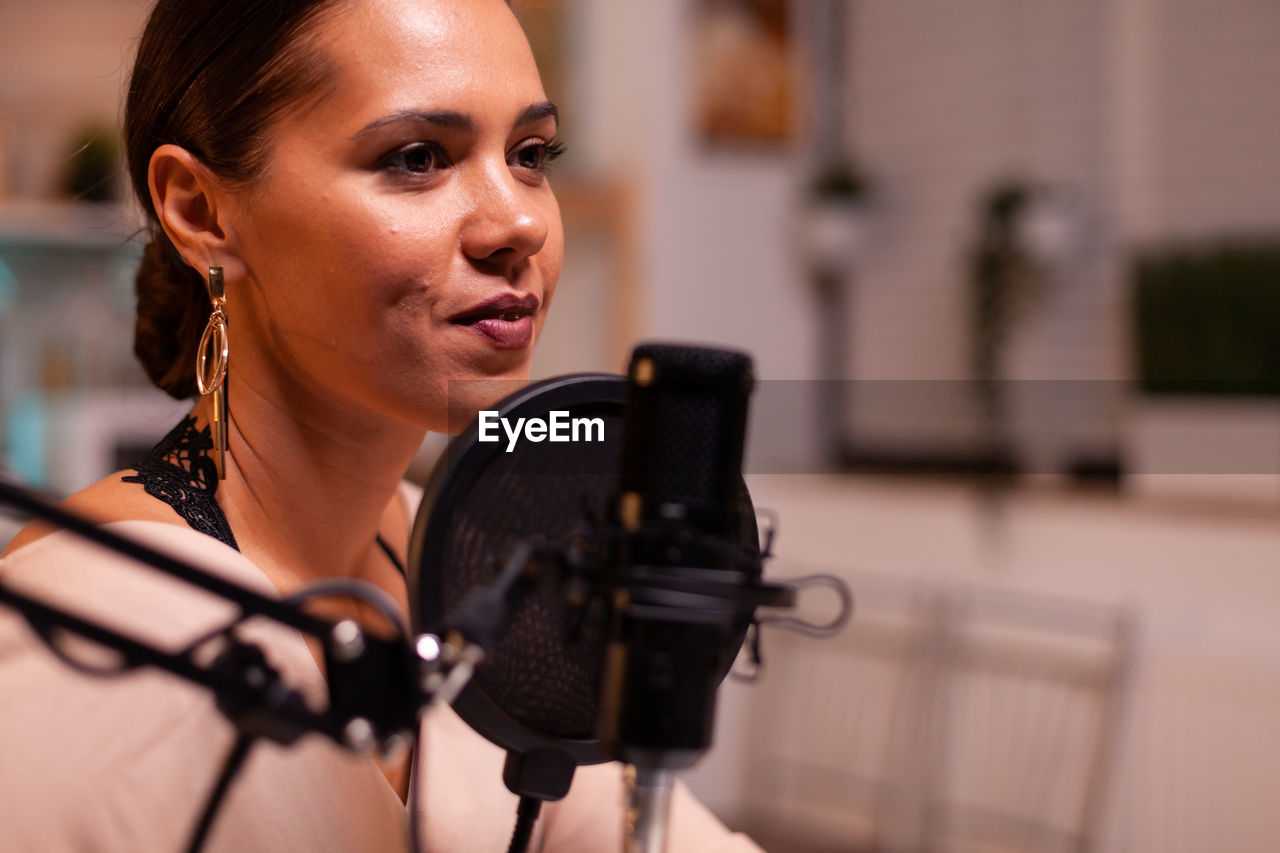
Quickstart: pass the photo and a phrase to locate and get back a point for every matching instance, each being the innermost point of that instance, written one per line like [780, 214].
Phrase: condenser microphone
[676, 622]
[644, 572]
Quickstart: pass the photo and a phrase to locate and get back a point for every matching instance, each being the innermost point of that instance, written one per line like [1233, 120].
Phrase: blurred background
[1010, 271]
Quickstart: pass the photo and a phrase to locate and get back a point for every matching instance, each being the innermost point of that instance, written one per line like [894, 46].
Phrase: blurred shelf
[68, 225]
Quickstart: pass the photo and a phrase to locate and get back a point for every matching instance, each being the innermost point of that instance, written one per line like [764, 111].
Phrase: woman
[358, 189]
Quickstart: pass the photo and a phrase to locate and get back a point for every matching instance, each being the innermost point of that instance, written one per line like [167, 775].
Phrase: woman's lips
[505, 320]
[505, 334]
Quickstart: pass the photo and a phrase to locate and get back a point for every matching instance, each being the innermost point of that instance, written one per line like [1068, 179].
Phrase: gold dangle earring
[211, 372]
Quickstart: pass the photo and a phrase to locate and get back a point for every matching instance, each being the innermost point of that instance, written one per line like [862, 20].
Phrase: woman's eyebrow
[443, 118]
[537, 112]
[459, 121]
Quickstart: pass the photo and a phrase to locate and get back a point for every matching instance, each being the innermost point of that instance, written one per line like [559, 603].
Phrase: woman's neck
[307, 488]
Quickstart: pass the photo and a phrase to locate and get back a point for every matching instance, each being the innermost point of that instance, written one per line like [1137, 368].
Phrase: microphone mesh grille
[703, 362]
[685, 442]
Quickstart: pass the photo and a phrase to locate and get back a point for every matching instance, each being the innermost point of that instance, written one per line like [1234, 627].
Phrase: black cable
[526, 817]
[230, 767]
[376, 597]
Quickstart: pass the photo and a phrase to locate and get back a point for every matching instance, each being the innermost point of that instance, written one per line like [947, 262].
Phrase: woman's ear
[193, 211]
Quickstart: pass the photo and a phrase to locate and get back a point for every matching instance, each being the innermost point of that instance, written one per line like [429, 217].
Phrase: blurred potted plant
[833, 237]
[834, 220]
[93, 165]
[1006, 268]
[1206, 323]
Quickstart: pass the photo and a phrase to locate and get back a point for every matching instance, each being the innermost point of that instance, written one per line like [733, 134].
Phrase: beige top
[126, 763]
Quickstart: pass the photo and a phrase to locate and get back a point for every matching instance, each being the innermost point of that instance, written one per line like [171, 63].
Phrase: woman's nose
[507, 222]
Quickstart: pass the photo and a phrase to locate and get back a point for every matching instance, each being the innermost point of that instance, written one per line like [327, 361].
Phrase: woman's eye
[537, 156]
[418, 158]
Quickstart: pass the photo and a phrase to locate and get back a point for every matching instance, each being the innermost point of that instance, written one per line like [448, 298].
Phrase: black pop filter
[538, 691]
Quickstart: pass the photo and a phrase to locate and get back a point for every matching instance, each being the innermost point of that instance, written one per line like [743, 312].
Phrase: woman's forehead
[401, 54]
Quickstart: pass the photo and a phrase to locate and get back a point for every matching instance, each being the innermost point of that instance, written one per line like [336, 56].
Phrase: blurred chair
[943, 720]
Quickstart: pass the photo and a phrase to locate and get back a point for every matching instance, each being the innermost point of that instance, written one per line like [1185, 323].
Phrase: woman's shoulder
[111, 499]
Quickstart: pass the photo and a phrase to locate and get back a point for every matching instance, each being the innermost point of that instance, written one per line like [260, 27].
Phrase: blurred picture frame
[743, 69]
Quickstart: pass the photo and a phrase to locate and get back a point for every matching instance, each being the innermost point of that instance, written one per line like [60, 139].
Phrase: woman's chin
[468, 397]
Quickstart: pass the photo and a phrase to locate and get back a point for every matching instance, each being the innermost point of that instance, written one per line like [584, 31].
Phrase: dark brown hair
[210, 76]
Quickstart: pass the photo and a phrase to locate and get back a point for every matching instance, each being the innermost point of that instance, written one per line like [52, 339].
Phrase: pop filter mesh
[541, 493]
[535, 675]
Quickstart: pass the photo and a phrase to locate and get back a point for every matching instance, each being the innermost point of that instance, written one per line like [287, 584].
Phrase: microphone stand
[377, 687]
[648, 809]
[658, 701]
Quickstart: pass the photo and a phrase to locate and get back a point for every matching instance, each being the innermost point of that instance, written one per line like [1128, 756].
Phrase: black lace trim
[179, 472]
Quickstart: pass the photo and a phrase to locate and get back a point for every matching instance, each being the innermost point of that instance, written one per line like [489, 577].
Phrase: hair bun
[172, 310]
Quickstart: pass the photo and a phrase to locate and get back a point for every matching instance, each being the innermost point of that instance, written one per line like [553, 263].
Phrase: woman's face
[404, 232]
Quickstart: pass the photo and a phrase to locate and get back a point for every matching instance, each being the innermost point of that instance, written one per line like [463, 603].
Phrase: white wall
[1215, 71]
[717, 264]
[714, 224]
